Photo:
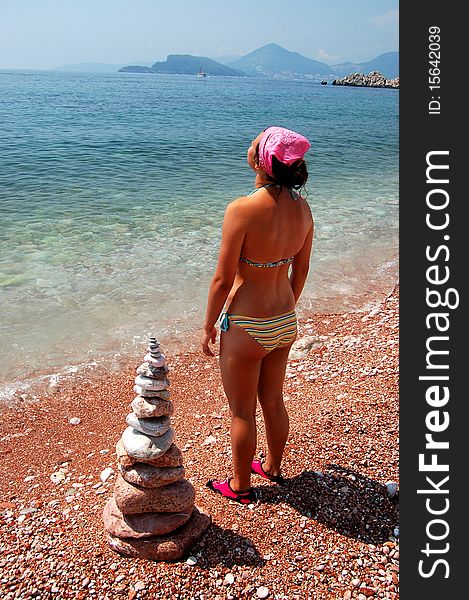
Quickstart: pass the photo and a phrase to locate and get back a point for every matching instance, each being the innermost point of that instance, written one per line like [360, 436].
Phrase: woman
[263, 235]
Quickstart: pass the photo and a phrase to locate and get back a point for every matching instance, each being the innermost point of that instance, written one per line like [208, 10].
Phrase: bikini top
[266, 265]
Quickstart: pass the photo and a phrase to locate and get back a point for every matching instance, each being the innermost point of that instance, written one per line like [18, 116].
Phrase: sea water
[112, 194]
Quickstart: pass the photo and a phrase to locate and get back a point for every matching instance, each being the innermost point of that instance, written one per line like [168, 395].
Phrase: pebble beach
[331, 532]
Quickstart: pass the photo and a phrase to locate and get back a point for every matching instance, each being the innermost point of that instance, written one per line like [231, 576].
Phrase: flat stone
[156, 362]
[155, 426]
[132, 499]
[141, 525]
[163, 394]
[151, 407]
[106, 473]
[142, 446]
[304, 345]
[149, 476]
[153, 385]
[149, 370]
[171, 458]
[172, 546]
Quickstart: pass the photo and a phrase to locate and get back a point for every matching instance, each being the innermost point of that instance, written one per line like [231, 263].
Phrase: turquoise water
[113, 189]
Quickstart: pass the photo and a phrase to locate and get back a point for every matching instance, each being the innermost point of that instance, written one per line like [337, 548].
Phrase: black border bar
[434, 334]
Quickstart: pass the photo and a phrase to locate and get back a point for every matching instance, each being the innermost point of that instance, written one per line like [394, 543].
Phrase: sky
[43, 34]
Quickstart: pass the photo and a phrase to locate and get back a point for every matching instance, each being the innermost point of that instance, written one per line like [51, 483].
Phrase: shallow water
[112, 193]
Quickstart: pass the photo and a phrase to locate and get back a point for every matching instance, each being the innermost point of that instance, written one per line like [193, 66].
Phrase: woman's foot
[224, 488]
[258, 469]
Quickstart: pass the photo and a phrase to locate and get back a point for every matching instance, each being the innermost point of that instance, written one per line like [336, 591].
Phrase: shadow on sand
[226, 547]
[341, 499]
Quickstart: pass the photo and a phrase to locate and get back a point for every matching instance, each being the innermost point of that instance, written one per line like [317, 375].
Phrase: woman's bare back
[277, 223]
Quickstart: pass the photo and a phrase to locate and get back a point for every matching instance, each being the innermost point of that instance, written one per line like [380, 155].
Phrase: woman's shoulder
[240, 206]
[238, 211]
[239, 202]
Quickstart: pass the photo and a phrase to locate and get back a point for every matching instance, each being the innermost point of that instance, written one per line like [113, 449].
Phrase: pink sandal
[256, 469]
[223, 488]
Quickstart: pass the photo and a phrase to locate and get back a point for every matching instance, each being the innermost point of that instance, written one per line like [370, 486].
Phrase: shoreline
[330, 533]
[36, 385]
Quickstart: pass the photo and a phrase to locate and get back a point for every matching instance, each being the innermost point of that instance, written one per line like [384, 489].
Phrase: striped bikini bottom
[269, 332]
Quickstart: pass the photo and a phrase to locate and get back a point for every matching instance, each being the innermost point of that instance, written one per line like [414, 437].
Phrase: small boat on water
[201, 74]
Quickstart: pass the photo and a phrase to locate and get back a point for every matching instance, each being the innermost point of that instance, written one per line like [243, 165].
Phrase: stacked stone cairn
[152, 513]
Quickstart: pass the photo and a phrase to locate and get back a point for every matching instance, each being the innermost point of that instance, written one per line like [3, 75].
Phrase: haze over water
[112, 194]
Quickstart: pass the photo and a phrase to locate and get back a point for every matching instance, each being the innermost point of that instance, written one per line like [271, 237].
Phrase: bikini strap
[224, 322]
[267, 185]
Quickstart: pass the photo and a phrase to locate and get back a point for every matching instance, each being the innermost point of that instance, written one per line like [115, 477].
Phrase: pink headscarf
[286, 145]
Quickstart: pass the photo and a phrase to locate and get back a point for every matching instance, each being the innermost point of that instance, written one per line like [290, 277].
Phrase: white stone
[57, 477]
[209, 440]
[145, 408]
[151, 371]
[262, 592]
[191, 561]
[106, 474]
[155, 426]
[304, 345]
[139, 445]
[157, 362]
[163, 394]
[148, 383]
[75, 421]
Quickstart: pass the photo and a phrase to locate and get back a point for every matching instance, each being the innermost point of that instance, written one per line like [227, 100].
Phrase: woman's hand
[208, 336]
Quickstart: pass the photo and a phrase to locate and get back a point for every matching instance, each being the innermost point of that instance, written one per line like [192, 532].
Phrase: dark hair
[291, 176]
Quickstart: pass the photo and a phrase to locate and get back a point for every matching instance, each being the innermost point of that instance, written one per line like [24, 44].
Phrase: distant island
[185, 64]
[271, 61]
[274, 61]
[373, 79]
[90, 67]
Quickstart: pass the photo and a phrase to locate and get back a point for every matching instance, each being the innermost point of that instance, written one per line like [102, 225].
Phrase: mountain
[185, 64]
[227, 59]
[274, 61]
[345, 68]
[387, 64]
[89, 68]
[269, 61]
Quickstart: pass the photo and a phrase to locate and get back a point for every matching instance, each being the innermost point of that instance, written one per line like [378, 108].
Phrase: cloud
[388, 19]
[324, 56]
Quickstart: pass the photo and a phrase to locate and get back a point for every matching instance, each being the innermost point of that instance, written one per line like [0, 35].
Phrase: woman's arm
[233, 233]
[300, 265]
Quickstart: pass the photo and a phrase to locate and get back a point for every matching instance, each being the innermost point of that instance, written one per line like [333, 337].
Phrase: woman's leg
[240, 363]
[270, 393]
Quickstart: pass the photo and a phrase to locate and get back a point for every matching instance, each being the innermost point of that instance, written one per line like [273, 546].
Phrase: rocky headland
[373, 79]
